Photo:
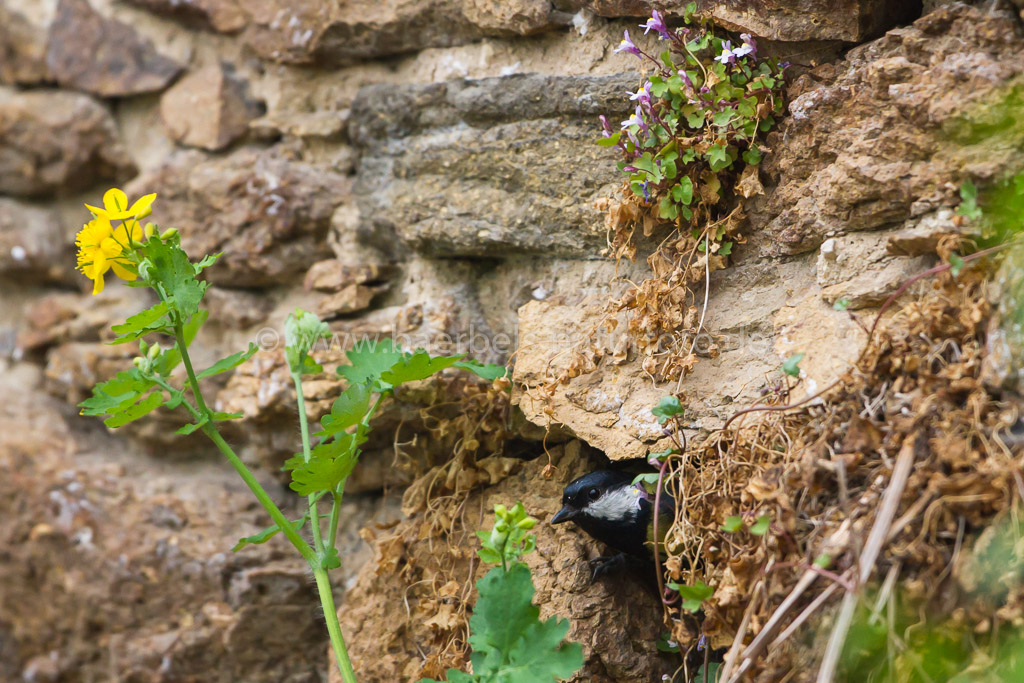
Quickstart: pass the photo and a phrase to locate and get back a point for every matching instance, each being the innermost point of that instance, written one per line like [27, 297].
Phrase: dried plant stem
[872, 548]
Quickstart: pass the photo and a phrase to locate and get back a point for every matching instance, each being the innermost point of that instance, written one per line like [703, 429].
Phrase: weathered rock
[389, 640]
[487, 168]
[334, 275]
[858, 268]
[610, 408]
[223, 16]
[236, 308]
[891, 132]
[102, 56]
[207, 109]
[62, 318]
[350, 299]
[851, 21]
[57, 142]
[1003, 367]
[33, 244]
[306, 32]
[22, 50]
[269, 215]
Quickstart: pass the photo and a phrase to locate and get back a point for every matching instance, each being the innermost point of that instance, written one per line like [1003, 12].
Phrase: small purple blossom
[749, 46]
[606, 128]
[627, 45]
[657, 23]
[727, 56]
[783, 65]
[637, 119]
[643, 94]
[647, 195]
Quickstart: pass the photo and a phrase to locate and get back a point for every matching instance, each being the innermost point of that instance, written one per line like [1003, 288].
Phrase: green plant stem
[314, 517]
[323, 585]
[210, 429]
[309, 554]
[332, 527]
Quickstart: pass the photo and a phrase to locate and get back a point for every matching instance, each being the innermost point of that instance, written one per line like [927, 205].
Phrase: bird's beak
[564, 515]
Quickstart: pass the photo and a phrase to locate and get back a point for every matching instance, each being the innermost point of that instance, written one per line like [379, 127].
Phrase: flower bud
[169, 233]
[143, 346]
[149, 230]
[527, 523]
[500, 510]
[154, 351]
[502, 526]
[498, 538]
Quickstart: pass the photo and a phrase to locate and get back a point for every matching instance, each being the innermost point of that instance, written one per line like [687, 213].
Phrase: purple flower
[637, 119]
[606, 127]
[643, 94]
[727, 54]
[658, 24]
[627, 45]
[783, 65]
[749, 47]
[647, 195]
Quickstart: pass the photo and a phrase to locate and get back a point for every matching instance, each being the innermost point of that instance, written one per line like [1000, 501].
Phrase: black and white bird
[612, 509]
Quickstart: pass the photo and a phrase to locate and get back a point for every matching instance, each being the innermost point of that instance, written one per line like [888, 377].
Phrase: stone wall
[421, 168]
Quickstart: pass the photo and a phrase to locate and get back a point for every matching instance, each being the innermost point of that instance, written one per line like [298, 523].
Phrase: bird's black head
[610, 508]
[598, 495]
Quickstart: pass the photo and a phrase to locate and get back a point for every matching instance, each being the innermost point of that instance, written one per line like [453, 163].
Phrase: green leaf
[224, 417]
[116, 394]
[666, 644]
[725, 249]
[185, 430]
[330, 559]
[841, 304]
[489, 371]
[667, 407]
[661, 455]
[229, 363]
[504, 610]
[611, 140]
[322, 475]
[646, 478]
[693, 596]
[419, 365]
[143, 407]
[540, 655]
[791, 366]
[369, 359]
[267, 534]
[348, 409]
[722, 118]
[142, 323]
[823, 561]
[956, 264]
[667, 208]
[683, 191]
[206, 262]
[712, 672]
[732, 524]
[752, 156]
[718, 157]
[761, 526]
[173, 273]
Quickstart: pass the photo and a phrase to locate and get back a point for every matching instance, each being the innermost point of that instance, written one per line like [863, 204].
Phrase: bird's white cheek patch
[621, 503]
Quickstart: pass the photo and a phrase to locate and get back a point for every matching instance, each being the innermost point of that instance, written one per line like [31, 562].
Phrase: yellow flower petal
[122, 272]
[115, 201]
[128, 231]
[143, 206]
[97, 284]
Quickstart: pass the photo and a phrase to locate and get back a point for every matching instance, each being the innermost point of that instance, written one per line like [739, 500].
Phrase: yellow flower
[115, 206]
[102, 247]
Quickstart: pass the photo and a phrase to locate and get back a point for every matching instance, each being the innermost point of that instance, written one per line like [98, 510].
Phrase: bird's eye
[594, 493]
